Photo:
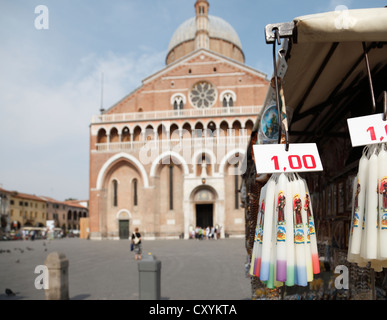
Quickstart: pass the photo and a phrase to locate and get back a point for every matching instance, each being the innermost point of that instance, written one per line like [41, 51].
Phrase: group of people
[208, 233]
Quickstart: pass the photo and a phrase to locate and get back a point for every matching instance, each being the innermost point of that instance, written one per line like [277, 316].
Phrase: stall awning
[326, 74]
[343, 26]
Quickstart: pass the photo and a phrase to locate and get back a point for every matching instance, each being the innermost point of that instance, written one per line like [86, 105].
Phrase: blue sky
[50, 79]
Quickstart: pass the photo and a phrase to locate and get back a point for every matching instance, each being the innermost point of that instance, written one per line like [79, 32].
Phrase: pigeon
[17, 261]
[9, 292]
[29, 249]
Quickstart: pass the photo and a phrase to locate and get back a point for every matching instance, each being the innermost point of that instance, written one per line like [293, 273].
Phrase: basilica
[168, 156]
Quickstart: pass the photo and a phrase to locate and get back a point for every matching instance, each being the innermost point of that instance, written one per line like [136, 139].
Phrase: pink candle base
[257, 267]
[316, 263]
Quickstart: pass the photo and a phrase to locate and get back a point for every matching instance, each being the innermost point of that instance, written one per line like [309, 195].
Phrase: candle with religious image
[372, 208]
[260, 229]
[299, 236]
[359, 205]
[350, 256]
[281, 203]
[256, 255]
[382, 178]
[267, 229]
[253, 261]
[272, 277]
[254, 251]
[289, 240]
[308, 255]
[363, 258]
[312, 231]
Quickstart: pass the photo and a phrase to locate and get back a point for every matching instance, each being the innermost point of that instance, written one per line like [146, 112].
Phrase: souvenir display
[368, 234]
[285, 246]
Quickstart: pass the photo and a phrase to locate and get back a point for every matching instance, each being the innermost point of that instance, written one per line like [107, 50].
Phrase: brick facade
[147, 145]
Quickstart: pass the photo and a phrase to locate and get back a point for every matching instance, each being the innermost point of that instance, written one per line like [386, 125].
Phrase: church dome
[218, 30]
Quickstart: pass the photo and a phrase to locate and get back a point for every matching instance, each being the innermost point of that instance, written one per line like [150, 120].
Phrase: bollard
[58, 277]
[149, 271]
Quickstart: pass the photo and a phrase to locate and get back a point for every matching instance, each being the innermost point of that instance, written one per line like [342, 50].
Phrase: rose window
[203, 95]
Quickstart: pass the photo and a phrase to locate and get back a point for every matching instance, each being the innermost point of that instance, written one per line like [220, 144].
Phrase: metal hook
[286, 140]
[277, 35]
[383, 96]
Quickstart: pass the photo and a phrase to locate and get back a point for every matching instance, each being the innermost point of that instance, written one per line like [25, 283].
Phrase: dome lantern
[202, 39]
[205, 31]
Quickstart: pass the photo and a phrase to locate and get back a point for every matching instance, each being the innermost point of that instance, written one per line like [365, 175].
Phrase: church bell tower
[202, 39]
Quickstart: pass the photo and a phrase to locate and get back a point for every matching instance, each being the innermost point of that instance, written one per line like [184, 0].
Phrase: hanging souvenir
[368, 233]
[382, 178]
[267, 229]
[255, 265]
[285, 247]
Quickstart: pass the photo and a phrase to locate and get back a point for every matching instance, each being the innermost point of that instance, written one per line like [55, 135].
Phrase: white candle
[350, 256]
[382, 174]
[289, 235]
[299, 236]
[260, 230]
[267, 230]
[280, 223]
[363, 248]
[312, 231]
[256, 258]
[308, 254]
[271, 283]
[359, 200]
[253, 261]
[372, 208]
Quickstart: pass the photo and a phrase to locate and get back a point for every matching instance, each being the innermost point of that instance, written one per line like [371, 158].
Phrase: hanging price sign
[367, 130]
[272, 158]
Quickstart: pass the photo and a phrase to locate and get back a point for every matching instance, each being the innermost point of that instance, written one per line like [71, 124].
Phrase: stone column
[58, 277]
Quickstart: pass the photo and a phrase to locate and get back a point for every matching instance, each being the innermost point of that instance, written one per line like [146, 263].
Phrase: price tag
[272, 158]
[367, 130]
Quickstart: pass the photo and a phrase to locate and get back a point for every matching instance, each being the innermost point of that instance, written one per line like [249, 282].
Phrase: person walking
[137, 247]
[213, 233]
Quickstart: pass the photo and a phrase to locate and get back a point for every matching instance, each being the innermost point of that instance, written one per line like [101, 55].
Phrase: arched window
[198, 130]
[178, 105]
[114, 135]
[178, 101]
[115, 190]
[228, 98]
[135, 186]
[211, 129]
[125, 135]
[228, 101]
[102, 137]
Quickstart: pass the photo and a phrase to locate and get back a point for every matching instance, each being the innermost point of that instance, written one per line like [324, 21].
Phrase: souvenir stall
[315, 185]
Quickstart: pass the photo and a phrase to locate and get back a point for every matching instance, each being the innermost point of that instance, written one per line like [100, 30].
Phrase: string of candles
[368, 233]
[285, 244]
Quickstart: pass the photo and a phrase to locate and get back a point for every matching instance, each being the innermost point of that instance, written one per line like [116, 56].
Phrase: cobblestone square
[106, 269]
